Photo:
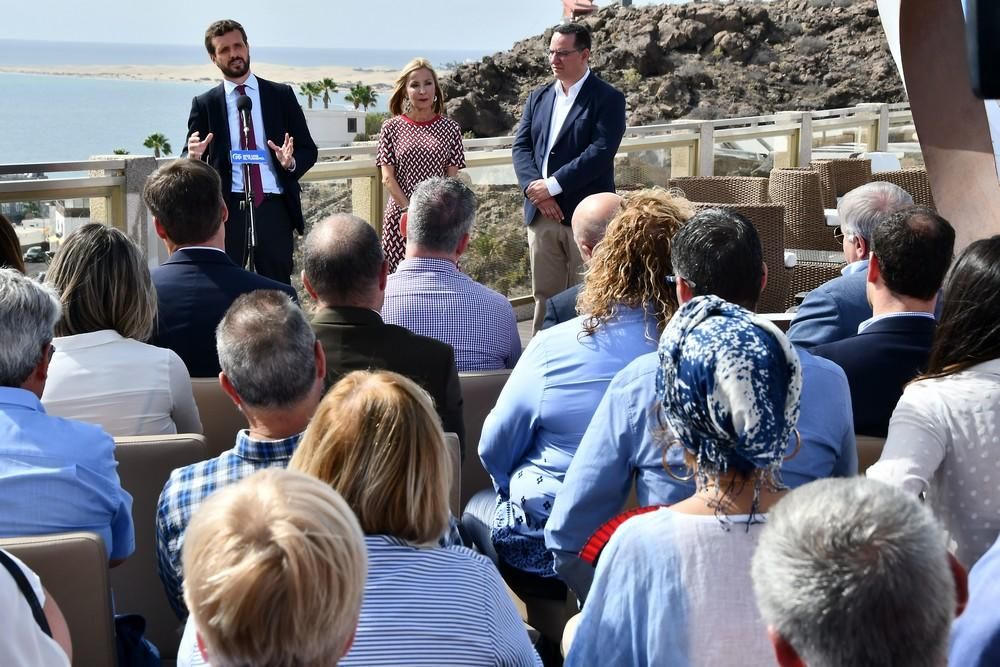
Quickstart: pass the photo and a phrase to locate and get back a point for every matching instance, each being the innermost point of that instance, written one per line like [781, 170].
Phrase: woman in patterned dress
[416, 143]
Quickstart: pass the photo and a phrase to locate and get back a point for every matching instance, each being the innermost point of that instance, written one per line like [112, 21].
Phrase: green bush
[373, 122]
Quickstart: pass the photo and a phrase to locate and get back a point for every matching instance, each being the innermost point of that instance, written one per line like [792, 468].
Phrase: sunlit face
[420, 89]
[232, 55]
[568, 63]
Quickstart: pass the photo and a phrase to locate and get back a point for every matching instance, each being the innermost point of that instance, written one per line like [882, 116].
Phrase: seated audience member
[10, 246]
[429, 295]
[975, 635]
[910, 254]
[198, 282]
[272, 369]
[102, 371]
[717, 252]
[35, 631]
[673, 585]
[377, 441]
[854, 572]
[530, 436]
[590, 222]
[834, 310]
[278, 541]
[56, 475]
[943, 433]
[345, 272]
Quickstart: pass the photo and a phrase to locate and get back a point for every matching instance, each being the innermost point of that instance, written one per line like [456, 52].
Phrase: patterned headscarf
[729, 385]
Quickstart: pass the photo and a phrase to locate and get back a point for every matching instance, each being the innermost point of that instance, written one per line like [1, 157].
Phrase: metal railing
[649, 155]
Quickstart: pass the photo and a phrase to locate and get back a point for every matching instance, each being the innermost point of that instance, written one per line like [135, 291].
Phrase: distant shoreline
[208, 73]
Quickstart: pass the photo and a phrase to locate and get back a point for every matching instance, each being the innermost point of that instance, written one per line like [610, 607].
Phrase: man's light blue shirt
[622, 443]
[59, 475]
[267, 177]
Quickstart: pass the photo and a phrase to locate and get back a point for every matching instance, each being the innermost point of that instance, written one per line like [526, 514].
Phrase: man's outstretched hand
[285, 152]
[197, 146]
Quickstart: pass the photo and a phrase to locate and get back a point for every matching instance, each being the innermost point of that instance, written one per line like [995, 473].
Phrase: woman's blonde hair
[378, 441]
[631, 265]
[398, 97]
[274, 572]
[103, 283]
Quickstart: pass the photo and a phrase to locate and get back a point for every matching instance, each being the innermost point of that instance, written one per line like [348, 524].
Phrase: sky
[484, 25]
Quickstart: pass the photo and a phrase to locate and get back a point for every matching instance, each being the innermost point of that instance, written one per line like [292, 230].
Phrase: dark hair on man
[441, 212]
[220, 28]
[914, 248]
[342, 259]
[719, 251]
[581, 35]
[968, 332]
[186, 198]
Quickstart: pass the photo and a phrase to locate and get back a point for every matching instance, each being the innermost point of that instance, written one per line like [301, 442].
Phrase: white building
[334, 127]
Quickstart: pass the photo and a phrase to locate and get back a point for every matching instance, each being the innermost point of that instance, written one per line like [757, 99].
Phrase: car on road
[35, 254]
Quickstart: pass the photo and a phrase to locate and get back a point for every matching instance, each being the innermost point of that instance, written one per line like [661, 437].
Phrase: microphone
[243, 106]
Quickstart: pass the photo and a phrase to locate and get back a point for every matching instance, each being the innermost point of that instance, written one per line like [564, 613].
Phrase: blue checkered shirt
[431, 297]
[188, 487]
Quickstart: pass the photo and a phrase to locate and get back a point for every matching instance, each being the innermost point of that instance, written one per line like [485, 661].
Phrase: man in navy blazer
[198, 282]
[278, 124]
[911, 252]
[564, 150]
[834, 310]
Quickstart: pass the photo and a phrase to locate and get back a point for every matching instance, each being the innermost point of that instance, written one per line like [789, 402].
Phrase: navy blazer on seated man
[561, 307]
[583, 156]
[194, 289]
[879, 362]
[833, 311]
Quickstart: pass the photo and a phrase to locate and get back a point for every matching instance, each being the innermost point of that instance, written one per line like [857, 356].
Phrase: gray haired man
[834, 310]
[272, 369]
[856, 572]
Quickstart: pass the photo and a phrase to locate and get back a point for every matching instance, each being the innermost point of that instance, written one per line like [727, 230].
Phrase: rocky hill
[700, 60]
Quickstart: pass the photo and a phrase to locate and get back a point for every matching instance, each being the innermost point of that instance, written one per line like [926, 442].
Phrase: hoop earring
[666, 466]
[798, 445]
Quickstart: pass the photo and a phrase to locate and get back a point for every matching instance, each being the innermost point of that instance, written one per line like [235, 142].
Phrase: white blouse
[126, 387]
[944, 438]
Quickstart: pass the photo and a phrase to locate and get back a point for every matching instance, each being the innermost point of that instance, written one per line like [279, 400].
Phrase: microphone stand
[249, 224]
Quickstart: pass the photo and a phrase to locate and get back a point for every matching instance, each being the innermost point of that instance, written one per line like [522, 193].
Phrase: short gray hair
[28, 315]
[864, 207]
[855, 572]
[441, 212]
[266, 349]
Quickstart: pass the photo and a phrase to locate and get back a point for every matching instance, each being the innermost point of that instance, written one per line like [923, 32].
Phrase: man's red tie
[249, 142]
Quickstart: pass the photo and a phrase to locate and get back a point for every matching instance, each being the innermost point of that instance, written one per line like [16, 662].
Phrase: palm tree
[159, 143]
[329, 86]
[309, 91]
[362, 96]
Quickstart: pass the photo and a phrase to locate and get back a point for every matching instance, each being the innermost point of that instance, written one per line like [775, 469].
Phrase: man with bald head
[345, 272]
[590, 221]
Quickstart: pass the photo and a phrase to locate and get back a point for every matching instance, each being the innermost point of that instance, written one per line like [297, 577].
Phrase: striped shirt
[436, 606]
[432, 298]
[189, 486]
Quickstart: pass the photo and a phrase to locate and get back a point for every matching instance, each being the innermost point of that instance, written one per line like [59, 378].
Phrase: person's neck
[885, 302]
[281, 423]
[240, 81]
[414, 252]
[218, 240]
[732, 495]
[421, 115]
[566, 84]
[372, 302]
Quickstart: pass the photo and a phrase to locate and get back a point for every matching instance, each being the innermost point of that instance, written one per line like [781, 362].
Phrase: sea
[48, 118]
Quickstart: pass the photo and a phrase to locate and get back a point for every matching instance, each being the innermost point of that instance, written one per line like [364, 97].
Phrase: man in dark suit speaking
[564, 150]
[276, 123]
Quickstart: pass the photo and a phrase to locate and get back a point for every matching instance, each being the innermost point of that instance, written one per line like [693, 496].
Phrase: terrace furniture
[805, 221]
[723, 189]
[480, 390]
[814, 267]
[839, 176]
[221, 420]
[914, 181]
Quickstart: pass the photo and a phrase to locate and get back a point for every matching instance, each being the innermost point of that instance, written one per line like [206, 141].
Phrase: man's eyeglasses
[839, 235]
[673, 280]
[560, 54]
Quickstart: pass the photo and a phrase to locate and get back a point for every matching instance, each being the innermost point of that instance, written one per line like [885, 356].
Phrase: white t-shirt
[23, 641]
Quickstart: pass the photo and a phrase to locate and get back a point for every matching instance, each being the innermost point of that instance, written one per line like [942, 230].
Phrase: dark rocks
[702, 59]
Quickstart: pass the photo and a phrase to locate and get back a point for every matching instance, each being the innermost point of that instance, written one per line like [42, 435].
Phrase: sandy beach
[209, 73]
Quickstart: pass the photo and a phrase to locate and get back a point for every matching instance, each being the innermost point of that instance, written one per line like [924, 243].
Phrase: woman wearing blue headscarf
[673, 586]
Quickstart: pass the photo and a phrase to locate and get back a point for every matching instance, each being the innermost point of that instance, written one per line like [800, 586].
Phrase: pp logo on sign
[248, 157]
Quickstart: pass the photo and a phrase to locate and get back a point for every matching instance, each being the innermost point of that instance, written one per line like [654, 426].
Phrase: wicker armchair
[812, 270]
[769, 221]
[913, 181]
[838, 177]
[805, 222]
[723, 189]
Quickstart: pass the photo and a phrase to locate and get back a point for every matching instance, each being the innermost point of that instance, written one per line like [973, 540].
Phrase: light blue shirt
[855, 267]
[267, 177]
[58, 475]
[530, 437]
[622, 444]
